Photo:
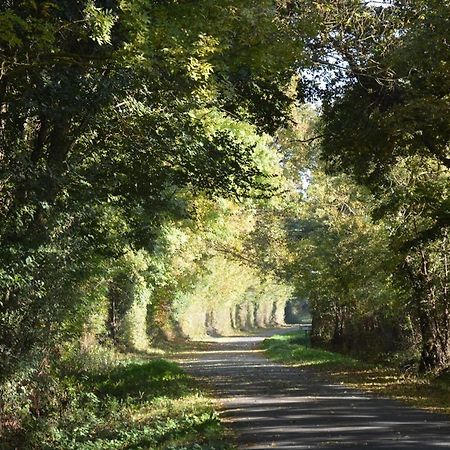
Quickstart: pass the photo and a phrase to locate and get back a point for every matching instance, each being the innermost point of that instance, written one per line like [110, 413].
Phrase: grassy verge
[137, 404]
[432, 393]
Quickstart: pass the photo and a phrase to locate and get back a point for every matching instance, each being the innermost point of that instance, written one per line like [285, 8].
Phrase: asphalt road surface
[271, 406]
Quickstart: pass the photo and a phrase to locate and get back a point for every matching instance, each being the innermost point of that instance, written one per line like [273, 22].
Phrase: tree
[343, 265]
[384, 122]
[100, 127]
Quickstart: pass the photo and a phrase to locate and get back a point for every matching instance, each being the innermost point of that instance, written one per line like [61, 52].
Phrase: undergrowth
[134, 404]
[429, 392]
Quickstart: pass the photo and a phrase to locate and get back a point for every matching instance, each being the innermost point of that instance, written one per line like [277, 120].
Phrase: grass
[294, 348]
[430, 392]
[137, 404]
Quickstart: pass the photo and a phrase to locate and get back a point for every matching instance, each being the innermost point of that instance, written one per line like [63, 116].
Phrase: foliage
[135, 403]
[380, 74]
[340, 259]
[102, 136]
[129, 132]
[229, 296]
[346, 267]
[213, 283]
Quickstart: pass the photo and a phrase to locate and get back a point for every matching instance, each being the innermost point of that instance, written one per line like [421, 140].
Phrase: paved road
[271, 406]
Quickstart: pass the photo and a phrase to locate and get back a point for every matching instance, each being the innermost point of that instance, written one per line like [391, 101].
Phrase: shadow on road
[272, 406]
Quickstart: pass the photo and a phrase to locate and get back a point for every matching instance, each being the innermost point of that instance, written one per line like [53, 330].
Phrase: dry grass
[424, 392]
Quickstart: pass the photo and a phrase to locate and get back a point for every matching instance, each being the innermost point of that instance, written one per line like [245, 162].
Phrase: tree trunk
[337, 339]
[435, 353]
[113, 319]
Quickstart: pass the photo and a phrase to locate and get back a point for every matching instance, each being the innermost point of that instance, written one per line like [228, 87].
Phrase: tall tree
[385, 109]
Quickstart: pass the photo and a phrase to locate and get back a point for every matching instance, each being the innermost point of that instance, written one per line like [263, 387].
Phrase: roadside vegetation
[383, 377]
[125, 403]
